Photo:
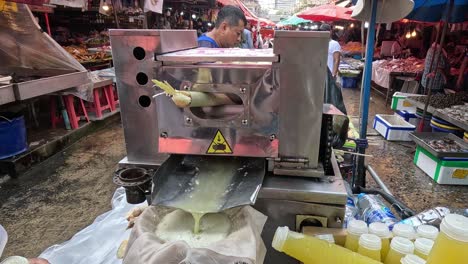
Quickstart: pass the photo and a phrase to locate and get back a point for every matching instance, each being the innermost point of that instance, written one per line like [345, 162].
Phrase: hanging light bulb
[194, 16]
[182, 13]
[366, 24]
[408, 35]
[105, 6]
[352, 25]
[413, 34]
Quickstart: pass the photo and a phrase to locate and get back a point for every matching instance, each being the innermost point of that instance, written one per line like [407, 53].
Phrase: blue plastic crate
[349, 82]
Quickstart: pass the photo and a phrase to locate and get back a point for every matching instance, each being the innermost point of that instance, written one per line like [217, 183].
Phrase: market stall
[385, 72]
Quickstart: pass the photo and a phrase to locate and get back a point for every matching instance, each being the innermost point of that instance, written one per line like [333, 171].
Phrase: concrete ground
[64, 194]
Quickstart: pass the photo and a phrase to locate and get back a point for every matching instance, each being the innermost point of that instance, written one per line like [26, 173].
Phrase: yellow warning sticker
[219, 145]
[460, 174]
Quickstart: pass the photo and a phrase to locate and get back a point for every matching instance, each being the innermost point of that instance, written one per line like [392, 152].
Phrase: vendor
[228, 30]
[399, 47]
[439, 73]
[334, 51]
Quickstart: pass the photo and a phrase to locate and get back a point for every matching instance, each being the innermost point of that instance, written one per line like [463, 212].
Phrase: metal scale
[280, 122]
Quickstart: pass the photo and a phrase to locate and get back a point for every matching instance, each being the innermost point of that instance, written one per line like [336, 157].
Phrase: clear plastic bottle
[370, 246]
[451, 245]
[422, 247]
[355, 229]
[312, 250]
[399, 247]
[412, 259]
[427, 231]
[381, 230]
[404, 230]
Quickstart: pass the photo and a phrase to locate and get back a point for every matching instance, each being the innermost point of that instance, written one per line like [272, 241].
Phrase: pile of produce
[458, 112]
[411, 64]
[440, 101]
[81, 54]
[351, 47]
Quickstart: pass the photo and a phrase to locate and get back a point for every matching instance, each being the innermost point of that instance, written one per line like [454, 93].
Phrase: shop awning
[436, 10]
[251, 17]
[326, 13]
[293, 20]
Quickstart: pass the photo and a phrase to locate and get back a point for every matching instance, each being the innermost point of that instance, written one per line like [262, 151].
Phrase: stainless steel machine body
[277, 116]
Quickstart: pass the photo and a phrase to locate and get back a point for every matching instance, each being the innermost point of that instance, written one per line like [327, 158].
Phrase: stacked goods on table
[410, 65]
[439, 101]
[442, 156]
[457, 112]
[82, 55]
[351, 48]
[354, 64]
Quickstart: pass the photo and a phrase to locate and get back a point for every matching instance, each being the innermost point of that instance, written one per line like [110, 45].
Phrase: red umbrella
[326, 13]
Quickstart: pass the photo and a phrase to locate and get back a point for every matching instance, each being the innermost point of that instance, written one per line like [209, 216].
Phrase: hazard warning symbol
[219, 145]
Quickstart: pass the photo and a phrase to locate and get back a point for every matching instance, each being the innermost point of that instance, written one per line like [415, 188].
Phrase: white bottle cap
[370, 241]
[380, 229]
[327, 237]
[402, 245]
[428, 231]
[404, 230]
[412, 259]
[423, 245]
[280, 237]
[455, 226]
[357, 227]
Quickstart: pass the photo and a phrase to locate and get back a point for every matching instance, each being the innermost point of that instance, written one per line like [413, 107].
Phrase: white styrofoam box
[399, 102]
[409, 117]
[443, 171]
[393, 127]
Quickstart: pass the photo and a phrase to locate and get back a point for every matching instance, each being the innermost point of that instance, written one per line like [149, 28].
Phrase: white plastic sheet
[243, 245]
[97, 243]
[380, 75]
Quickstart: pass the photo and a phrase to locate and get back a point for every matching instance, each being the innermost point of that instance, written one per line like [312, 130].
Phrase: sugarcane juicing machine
[262, 113]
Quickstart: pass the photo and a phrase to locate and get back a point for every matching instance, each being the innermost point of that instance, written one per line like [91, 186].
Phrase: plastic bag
[28, 52]
[3, 239]
[243, 245]
[97, 243]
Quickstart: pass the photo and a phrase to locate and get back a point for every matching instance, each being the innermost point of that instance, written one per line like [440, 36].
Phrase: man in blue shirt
[247, 41]
[229, 27]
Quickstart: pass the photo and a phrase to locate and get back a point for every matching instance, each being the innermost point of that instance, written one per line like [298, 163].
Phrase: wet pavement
[64, 194]
[393, 162]
[61, 196]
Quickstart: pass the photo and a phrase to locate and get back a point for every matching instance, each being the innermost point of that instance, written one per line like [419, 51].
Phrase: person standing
[229, 27]
[398, 47]
[247, 40]
[334, 51]
[439, 73]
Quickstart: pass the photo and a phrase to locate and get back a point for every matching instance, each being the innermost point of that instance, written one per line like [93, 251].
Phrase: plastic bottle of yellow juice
[355, 229]
[422, 247]
[381, 230]
[427, 231]
[451, 245]
[412, 259]
[326, 237]
[404, 230]
[370, 246]
[399, 247]
[312, 250]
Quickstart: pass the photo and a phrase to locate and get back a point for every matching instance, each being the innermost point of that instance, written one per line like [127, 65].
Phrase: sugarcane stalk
[184, 99]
